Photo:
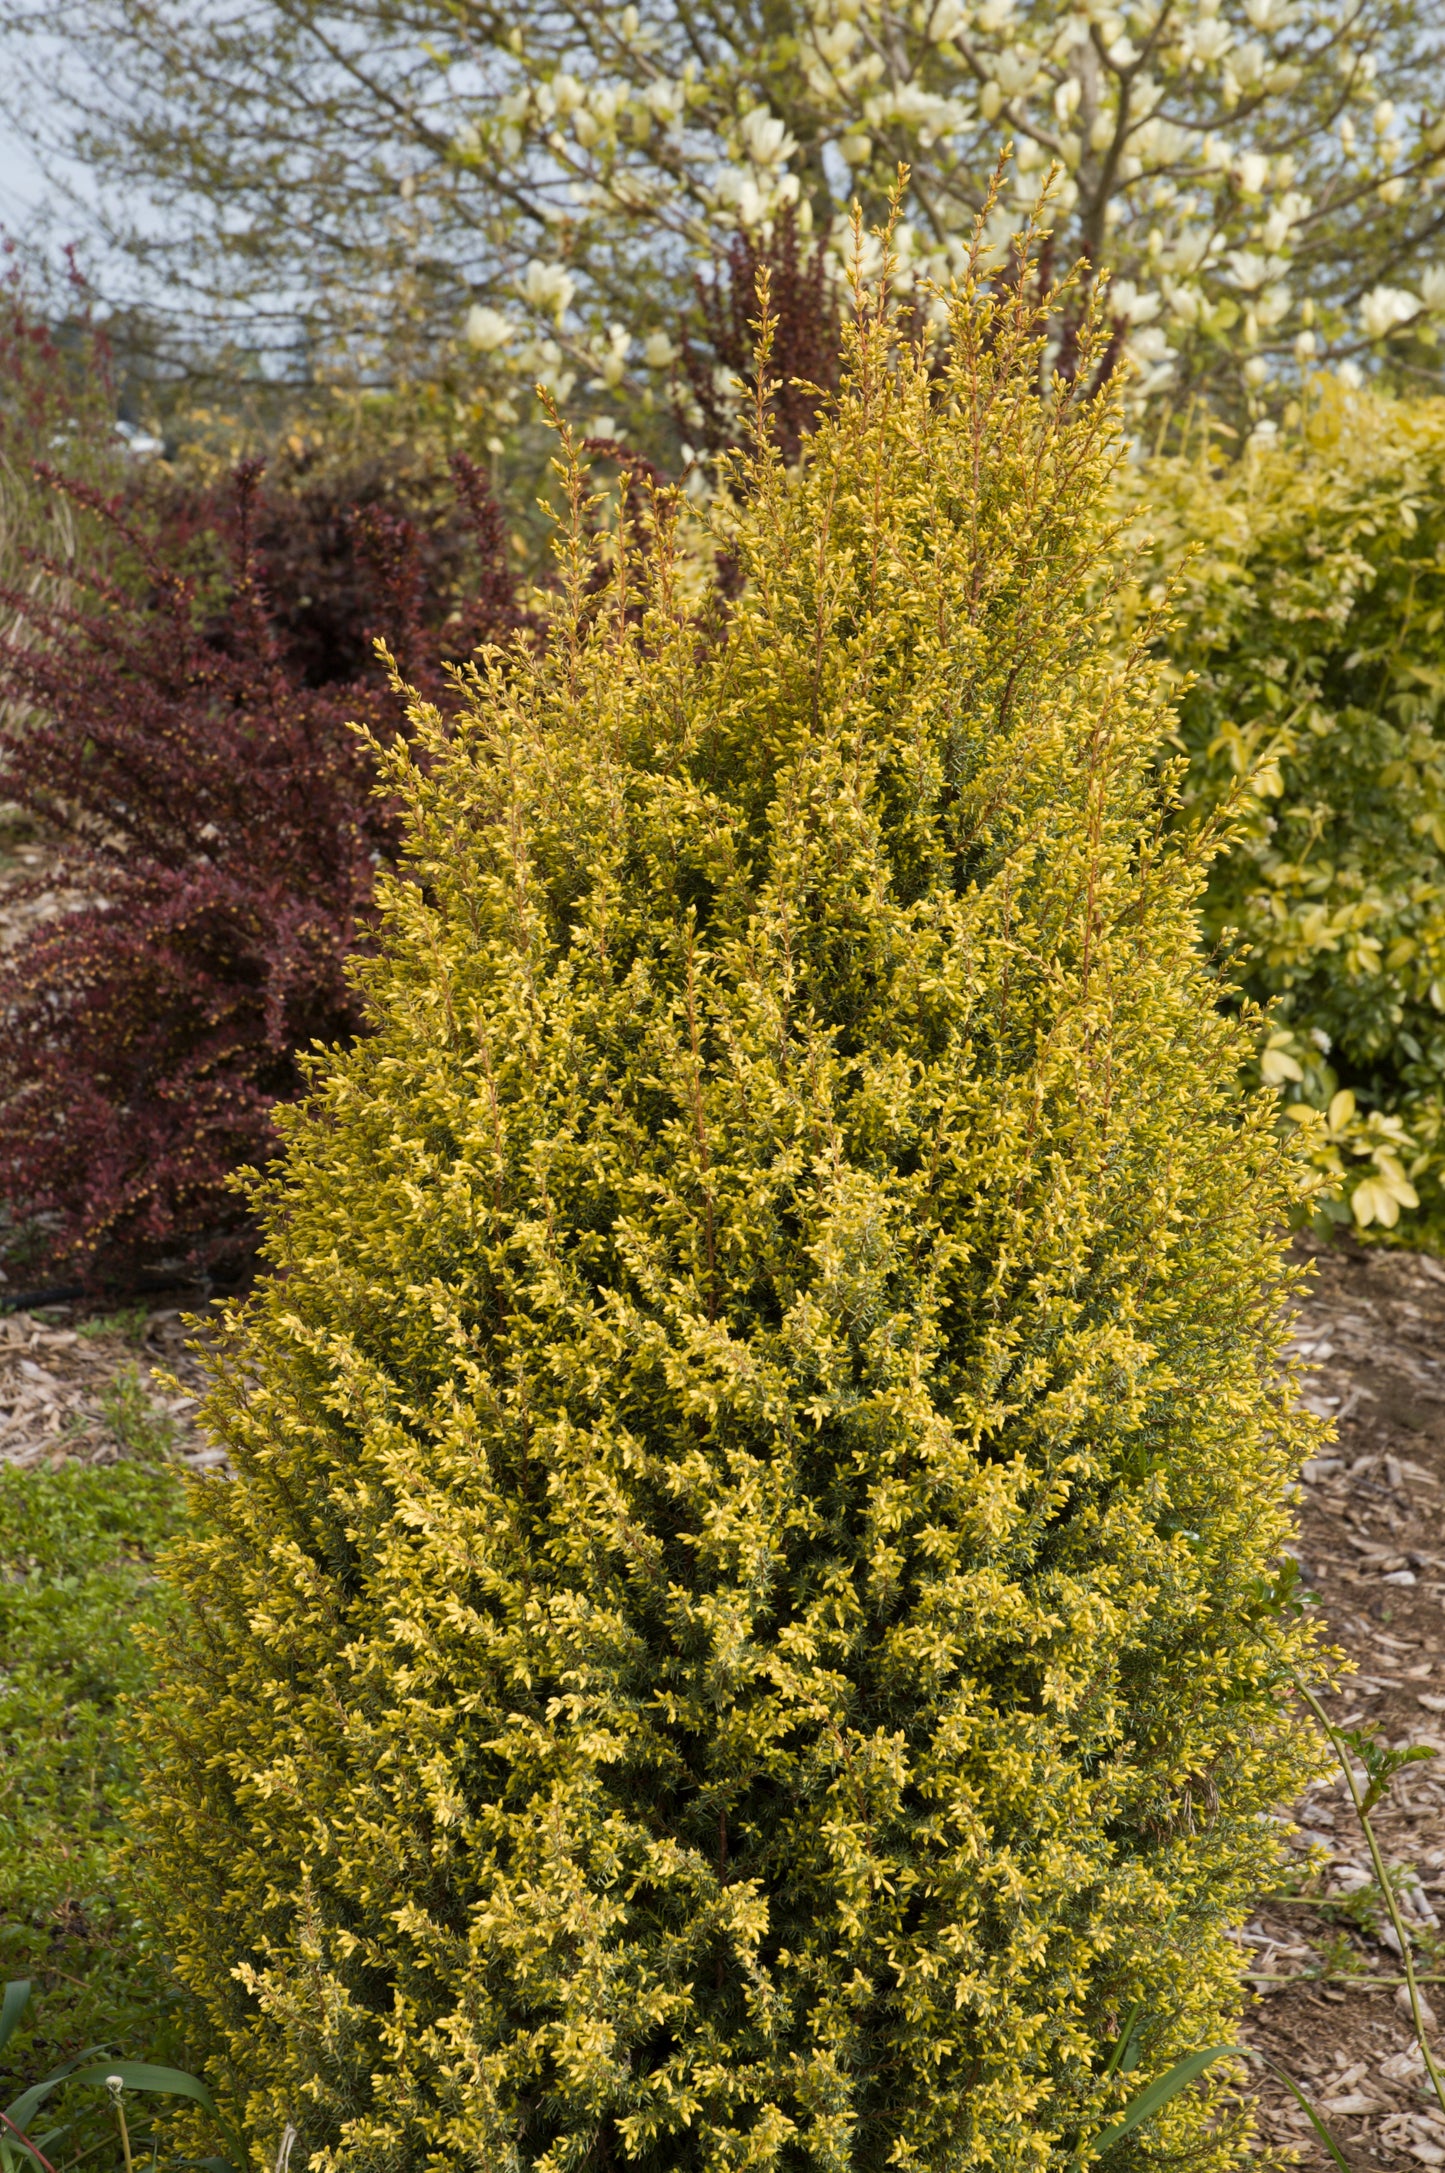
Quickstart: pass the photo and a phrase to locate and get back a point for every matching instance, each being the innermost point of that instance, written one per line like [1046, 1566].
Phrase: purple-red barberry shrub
[218, 817]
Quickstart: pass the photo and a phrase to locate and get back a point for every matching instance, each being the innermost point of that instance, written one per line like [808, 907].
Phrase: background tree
[57, 392]
[483, 192]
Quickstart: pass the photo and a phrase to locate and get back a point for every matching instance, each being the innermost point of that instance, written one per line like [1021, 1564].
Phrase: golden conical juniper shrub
[740, 1636]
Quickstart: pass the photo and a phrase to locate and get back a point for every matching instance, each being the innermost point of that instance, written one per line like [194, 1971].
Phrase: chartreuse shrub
[744, 1632]
[1311, 616]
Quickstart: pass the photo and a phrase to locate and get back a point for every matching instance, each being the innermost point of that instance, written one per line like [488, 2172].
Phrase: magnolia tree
[1264, 179]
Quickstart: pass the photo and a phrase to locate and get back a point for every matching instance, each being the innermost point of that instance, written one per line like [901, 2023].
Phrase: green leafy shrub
[76, 1576]
[1311, 617]
[744, 1632]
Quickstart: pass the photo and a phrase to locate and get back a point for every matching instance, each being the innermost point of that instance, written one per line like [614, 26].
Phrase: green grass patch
[76, 1552]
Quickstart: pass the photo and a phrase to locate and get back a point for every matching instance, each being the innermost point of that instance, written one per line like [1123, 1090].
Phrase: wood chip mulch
[1372, 1545]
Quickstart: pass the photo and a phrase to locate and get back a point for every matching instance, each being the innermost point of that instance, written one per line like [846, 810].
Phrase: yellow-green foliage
[742, 1633]
[1312, 613]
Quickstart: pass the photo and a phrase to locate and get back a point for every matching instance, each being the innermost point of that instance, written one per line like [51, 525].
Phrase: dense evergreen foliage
[742, 1635]
[1312, 598]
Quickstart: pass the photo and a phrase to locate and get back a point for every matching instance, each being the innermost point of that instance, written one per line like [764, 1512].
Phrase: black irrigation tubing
[26, 1301]
[29, 1301]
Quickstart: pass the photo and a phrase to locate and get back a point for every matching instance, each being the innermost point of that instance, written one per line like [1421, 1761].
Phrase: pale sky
[21, 182]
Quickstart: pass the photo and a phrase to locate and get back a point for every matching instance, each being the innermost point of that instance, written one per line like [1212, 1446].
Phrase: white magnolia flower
[658, 351]
[1386, 308]
[487, 329]
[1253, 272]
[1152, 358]
[765, 137]
[857, 150]
[1150, 344]
[1282, 221]
[1127, 301]
[1162, 144]
[1272, 306]
[1185, 303]
[611, 360]
[1252, 173]
[665, 101]
[1249, 65]
[1014, 71]
[947, 16]
[550, 287]
[1205, 42]
[926, 113]
[1189, 251]
[1432, 288]
[837, 42]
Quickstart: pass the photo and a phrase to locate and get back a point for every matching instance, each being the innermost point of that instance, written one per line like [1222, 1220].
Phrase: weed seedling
[131, 1322]
[137, 1421]
[1369, 1784]
[20, 2150]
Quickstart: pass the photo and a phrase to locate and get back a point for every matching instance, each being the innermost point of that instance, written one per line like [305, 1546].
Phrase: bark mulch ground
[1372, 1545]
